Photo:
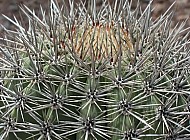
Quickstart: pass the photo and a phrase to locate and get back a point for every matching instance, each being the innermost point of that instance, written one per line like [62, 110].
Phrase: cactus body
[111, 74]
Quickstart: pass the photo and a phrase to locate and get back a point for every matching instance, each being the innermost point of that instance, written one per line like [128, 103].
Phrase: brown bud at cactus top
[100, 41]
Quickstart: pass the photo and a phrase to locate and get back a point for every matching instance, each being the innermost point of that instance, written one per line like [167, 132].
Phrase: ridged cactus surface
[87, 74]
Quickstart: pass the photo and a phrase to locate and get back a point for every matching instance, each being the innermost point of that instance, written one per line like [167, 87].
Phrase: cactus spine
[112, 74]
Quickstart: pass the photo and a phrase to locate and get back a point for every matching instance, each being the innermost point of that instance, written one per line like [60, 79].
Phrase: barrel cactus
[80, 73]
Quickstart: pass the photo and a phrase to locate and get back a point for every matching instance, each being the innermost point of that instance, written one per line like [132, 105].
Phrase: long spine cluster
[108, 74]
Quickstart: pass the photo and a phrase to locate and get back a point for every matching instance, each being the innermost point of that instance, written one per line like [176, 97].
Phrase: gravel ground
[10, 8]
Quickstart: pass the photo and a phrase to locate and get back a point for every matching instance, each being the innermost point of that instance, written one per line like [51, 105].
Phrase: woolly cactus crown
[80, 73]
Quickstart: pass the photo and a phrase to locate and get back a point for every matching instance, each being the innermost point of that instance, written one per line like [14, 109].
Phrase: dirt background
[10, 8]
